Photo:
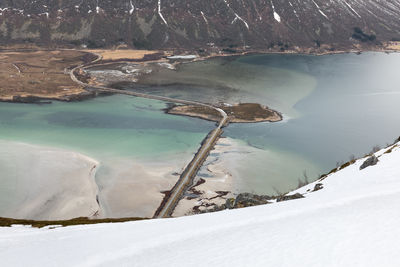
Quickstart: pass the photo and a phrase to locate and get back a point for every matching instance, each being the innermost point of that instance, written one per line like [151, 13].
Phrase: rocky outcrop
[243, 200]
[371, 161]
[289, 197]
[228, 24]
[247, 200]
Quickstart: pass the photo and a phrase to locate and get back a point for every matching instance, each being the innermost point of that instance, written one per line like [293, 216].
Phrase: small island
[238, 113]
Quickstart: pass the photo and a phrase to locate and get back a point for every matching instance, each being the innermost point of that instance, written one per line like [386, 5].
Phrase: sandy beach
[133, 188]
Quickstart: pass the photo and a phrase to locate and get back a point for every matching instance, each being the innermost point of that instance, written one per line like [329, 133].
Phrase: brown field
[393, 46]
[40, 74]
[130, 54]
[245, 112]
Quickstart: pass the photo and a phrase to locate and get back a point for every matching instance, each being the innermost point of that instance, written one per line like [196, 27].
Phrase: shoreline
[157, 56]
[218, 56]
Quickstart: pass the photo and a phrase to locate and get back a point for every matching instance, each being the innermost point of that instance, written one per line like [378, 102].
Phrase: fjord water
[334, 106]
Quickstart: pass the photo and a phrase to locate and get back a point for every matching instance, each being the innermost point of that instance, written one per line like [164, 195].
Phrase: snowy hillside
[353, 221]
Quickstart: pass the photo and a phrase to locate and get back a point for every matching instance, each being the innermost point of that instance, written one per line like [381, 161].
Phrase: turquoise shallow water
[138, 148]
[120, 126]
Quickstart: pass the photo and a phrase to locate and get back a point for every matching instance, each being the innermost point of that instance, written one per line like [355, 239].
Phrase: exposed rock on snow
[289, 197]
[371, 161]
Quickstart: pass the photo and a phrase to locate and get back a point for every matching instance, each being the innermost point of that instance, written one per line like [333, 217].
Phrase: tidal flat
[139, 150]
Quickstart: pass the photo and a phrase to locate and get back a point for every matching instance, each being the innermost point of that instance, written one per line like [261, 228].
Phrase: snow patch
[132, 7]
[160, 14]
[183, 57]
[97, 7]
[167, 65]
[294, 11]
[237, 17]
[204, 17]
[45, 13]
[351, 8]
[276, 15]
[319, 9]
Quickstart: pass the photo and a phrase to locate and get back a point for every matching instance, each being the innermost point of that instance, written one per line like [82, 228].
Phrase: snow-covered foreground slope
[353, 221]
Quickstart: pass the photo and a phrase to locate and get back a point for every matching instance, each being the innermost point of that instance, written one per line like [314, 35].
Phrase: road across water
[169, 203]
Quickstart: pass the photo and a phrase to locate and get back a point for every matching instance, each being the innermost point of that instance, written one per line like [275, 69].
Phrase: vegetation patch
[7, 222]
[361, 36]
[239, 113]
[128, 54]
[40, 74]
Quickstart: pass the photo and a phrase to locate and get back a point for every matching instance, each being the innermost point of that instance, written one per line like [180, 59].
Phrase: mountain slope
[352, 221]
[187, 24]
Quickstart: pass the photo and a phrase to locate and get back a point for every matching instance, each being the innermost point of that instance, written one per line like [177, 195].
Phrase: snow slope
[353, 221]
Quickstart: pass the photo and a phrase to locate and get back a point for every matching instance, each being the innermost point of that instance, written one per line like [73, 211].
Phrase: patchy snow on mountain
[351, 8]
[196, 23]
[237, 17]
[160, 14]
[352, 221]
[276, 15]
[132, 7]
[319, 10]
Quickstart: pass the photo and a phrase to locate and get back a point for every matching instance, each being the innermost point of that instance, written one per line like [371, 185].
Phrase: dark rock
[290, 197]
[230, 203]
[371, 161]
[318, 187]
[28, 99]
[247, 200]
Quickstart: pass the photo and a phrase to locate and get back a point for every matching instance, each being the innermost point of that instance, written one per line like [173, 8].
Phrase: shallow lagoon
[138, 147]
[114, 125]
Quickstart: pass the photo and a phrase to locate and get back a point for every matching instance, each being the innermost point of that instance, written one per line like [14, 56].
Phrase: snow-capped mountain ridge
[176, 23]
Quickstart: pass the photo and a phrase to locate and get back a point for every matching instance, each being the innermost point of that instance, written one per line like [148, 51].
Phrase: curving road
[186, 179]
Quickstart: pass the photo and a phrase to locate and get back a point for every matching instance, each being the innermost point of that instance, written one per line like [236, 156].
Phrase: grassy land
[129, 54]
[39, 74]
